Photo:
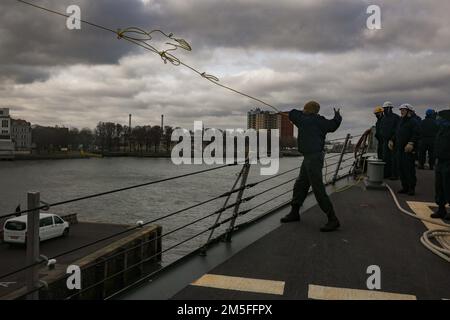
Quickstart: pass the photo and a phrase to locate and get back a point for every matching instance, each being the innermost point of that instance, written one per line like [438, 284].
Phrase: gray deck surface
[373, 232]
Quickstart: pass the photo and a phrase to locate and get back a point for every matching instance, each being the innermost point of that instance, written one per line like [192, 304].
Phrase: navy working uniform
[379, 114]
[388, 125]
[312, 130]
[428, 131]
[405, 143]
[442, 171]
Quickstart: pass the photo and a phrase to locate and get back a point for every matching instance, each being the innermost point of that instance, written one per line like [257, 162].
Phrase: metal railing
[239, 189]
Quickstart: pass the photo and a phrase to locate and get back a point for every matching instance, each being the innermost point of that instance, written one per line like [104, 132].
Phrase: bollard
[375, 174]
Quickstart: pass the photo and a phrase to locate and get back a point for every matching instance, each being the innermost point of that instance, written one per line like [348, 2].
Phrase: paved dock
[14, 257]
[296, 261]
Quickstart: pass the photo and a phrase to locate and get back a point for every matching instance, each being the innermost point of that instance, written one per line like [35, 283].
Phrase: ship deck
[296, 261]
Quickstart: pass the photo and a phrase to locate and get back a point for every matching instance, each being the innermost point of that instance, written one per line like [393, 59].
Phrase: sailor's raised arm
[332, 125]
[295, 115]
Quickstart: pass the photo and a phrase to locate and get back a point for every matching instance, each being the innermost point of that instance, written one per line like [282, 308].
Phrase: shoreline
[88, 155]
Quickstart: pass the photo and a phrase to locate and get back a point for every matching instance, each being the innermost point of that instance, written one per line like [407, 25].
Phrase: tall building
[5, 124]
[21, 134]
[6, 145]
[258, 119]
[285, 125]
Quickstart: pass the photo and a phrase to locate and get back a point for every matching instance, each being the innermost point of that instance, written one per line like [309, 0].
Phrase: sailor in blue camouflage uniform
[442, 169]
[312, 130]
[428, 131]
[388, 125]
[405, 144]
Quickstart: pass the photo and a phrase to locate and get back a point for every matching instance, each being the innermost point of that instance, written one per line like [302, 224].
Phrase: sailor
[428, 131]
[442, 172]
[405, 144]
[388, 125]
[312, 129]
[379, 115]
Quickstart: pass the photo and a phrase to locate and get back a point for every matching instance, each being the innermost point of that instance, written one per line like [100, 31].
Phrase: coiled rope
[441, 235]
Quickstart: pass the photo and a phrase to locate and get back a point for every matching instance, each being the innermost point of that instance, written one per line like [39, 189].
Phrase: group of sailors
[406, 138]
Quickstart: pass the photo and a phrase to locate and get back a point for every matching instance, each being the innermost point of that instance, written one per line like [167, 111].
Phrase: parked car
[50, 226]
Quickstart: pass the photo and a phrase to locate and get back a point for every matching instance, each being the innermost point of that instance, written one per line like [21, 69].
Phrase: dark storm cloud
[29, 36]
[284, 52]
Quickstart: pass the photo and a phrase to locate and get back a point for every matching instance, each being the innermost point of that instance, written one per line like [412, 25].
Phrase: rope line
[141, 38]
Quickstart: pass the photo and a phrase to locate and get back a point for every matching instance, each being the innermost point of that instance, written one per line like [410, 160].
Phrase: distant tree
[138, 134]
[100, 136]
[74, 138]
[50, 139]
[168, 130]
[86, 138]
[155, 134]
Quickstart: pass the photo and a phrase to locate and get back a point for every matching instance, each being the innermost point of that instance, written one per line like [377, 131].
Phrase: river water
[60, 180]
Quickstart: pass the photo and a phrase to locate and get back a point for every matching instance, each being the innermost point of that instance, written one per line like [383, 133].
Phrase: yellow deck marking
[423, 210]
[240, 284]
[331, 293]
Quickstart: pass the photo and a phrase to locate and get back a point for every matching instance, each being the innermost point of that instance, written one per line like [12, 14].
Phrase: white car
[50, 226]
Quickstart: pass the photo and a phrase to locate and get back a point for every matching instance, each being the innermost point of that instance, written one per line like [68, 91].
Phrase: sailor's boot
[447, 217]
[293, 215]
[440, 213]
[332, 224]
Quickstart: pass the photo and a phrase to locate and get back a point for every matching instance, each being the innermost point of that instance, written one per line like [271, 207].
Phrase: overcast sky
[284, 52]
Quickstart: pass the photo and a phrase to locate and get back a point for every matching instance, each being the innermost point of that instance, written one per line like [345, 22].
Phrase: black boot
[440, 213]
[402, 191]
[412, 192]
[332, 224]
[293, 215]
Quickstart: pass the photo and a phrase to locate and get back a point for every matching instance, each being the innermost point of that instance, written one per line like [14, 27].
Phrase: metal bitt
[347, 138]
[245, 171]
[375, 174]
[32, 243]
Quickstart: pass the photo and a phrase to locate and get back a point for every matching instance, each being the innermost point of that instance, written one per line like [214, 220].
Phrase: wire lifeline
[149, 258]
[165, 234]
[163, 217]
[173, 231]
[152, 221]
[165, 56]
[226, 220]
[116, 234]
